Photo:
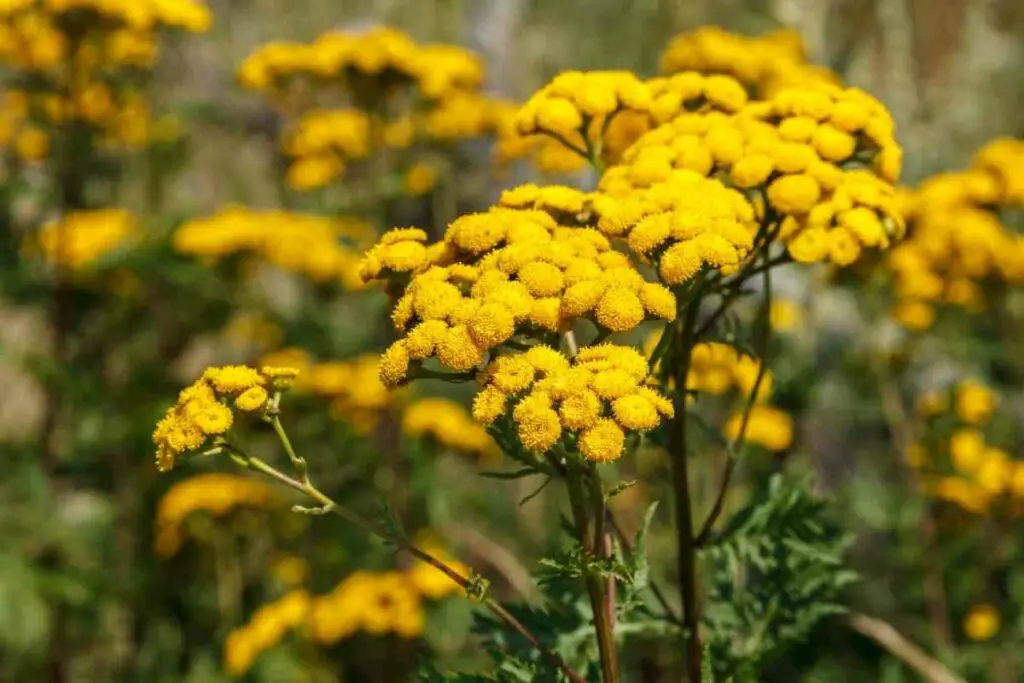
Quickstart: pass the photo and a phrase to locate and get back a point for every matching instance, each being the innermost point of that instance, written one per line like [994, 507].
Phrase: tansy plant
[706, 183]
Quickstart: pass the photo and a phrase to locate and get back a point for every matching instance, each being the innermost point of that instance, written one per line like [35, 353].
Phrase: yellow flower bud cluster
[267, 627]
[216, 494]
[717, 368]
[369, 63]
[606, 111]
[978, 474]
[794, 147]
[764, 64]
[398, 255]
[682, 222]
[322, 142]
[514, 271]
[378, 603]
[447, 423]
[596, 399]
[83, 237]
[469, 114]
[353, 386]
[86, 78]
[207, 407]
[957, 242]
[140, 15]
[319, 247]
[767, 426]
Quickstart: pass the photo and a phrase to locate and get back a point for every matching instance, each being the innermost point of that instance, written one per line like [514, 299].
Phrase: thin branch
[497, 556]
[471, 586]
[893, 642]
[735, 450]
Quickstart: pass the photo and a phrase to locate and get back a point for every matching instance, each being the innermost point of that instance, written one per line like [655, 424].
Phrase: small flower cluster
[83, 237]
[324, 249]
[603, 112]
[593, 400]
[682, 223]
[957, 241]
[380, 58]
[766, 426]
[716, 368]
[353, 386]
[512, 271]
[267, 627]
[75, 55]
[206, 409]
[448, 424]
[979, 474]
[216, 494]
[764, 64]
[322, 142]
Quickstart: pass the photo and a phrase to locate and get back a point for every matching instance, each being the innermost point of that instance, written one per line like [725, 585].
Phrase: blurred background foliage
[110, 573]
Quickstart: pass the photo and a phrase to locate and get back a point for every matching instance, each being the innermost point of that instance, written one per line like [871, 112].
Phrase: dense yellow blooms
[267, 627]
[598, 114]
[508, 272]
[975, 402]
[216, 494]
[83, 237]
[322, 248]
[957, 242]
[368, 63]
[325, 139]
[764, 64]
[981, 622]
[77, 59]
[766, 426]
[377, 603]
[716, 368]
[795, 147]
[449, 424]
[684, 222]
[599, 396]
[205, 408]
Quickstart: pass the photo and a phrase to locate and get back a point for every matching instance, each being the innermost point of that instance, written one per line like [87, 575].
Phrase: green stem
[472, 586]
[687, 551]
[607, 649]
[735, 450]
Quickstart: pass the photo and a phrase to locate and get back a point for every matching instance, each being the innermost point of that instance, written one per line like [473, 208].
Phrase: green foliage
[774, 573]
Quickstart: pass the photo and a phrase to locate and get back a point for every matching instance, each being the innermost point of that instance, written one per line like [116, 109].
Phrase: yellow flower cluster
[216, 494]
[716, 368]
[767, 426]
[382, 602]
[764, 64]
[376, 59]
[595, 399]
[207, 407]
[683, 222]
[795, 147]
[353, 386]
[603, 112]
[957, 242]
[83, 237]
[511, 271]
[322, 248]
[322, 142]
[83, 47]
[398, 255]
[980, 474]
[377, 603]
[449, 424]
[267, 627]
